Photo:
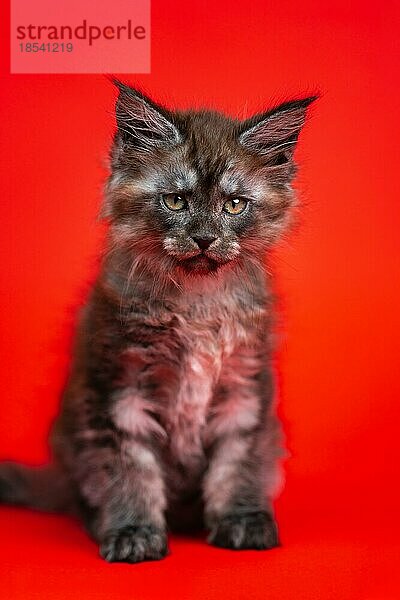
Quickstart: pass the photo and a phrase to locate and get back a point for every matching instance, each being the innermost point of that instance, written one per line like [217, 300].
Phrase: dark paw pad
[134, 544]
[257, 531]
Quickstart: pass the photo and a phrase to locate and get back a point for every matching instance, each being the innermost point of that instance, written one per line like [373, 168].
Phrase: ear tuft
[274, 134]
[142, 123]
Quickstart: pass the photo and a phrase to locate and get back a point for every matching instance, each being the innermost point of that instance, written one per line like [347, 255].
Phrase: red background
[339, 358]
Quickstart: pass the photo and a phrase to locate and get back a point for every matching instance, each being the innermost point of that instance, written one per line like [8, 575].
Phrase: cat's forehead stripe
[230, 183]
[178, 177]
[233, 181]
[185, 178]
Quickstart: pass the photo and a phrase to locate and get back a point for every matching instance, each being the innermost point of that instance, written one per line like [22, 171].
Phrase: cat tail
[46, 488]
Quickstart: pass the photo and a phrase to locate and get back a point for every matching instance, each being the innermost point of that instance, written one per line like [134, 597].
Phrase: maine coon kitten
[167, 418]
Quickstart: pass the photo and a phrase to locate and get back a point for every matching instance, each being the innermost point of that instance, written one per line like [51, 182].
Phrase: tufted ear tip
[127, 89]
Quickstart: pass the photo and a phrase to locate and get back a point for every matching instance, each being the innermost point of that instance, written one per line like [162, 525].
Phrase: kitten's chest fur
[202, 332]
[209, 333]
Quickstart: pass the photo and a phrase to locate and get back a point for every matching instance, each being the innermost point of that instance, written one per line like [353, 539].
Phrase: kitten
[167, 418]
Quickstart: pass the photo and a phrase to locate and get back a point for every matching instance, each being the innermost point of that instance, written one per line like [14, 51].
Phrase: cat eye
[175, 201]
[235, 206]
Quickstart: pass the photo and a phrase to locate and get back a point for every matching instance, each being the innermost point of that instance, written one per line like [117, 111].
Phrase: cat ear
[274, 134]
[141, 122]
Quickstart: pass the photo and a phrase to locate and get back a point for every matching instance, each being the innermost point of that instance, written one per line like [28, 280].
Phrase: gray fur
[168, 414]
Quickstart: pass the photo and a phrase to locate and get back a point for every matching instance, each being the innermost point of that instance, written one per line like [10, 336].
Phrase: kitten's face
[196, 191]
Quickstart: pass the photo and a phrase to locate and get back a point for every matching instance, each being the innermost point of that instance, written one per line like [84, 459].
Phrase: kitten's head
[194, 191]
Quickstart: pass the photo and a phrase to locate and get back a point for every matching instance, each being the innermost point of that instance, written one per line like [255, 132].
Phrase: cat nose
[204, 242]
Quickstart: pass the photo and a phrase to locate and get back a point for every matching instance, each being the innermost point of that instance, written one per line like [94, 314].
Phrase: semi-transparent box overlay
[80, 36]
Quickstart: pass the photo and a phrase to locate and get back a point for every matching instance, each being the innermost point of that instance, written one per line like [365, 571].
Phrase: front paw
[256, 530]
[134, 544]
